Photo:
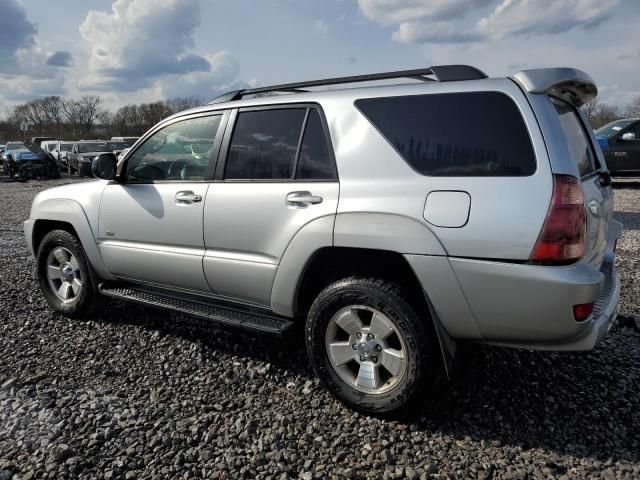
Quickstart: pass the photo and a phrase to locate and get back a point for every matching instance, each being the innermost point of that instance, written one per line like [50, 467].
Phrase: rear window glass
[455, 134]
[576, 137]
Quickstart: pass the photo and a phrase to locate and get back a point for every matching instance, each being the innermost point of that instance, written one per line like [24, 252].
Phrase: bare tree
[52, 109]
[152, 113]
[633, 109]
[600, 114]
[106, 118]
[71, 109]
[590, 109]
[89, 105]
[176, 105]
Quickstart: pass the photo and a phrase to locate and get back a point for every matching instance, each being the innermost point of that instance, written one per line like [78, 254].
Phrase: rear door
[598, 195]
[275, 175]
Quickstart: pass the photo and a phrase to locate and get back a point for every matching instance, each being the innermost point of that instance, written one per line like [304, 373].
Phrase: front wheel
[65, 275]
[369, 346]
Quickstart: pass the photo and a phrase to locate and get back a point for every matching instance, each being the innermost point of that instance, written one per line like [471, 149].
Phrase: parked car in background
[13, 146]
[620, 143]
[130, 140]
[50, 146]
[117, 146]
[39, 140]
[63, 148]
[82, 154]
[390, 221]
[23, 163]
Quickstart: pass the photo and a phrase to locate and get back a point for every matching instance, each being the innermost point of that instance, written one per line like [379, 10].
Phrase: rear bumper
[593, 330]
[524, 306]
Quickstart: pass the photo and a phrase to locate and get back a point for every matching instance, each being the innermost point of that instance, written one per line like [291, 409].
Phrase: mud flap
[448, 346]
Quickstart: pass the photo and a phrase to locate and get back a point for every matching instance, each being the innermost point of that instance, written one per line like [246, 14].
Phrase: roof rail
[441, 73]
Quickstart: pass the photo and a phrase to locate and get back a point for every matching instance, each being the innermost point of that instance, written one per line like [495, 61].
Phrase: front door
[150, 227]
[279, 175]
[623, 156]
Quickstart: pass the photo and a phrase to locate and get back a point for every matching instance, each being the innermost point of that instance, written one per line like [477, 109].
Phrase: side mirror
[104, 166]
[626, 137]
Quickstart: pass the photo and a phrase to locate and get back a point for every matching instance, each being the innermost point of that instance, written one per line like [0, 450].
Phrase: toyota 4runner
[392, 221]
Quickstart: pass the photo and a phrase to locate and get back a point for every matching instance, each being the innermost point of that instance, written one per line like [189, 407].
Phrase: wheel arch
[68, 215]
[329, 264]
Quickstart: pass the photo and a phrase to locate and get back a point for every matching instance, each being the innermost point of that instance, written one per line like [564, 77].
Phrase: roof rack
[440, 73]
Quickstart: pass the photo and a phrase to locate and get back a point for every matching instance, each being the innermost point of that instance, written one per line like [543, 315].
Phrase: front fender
[71, 212]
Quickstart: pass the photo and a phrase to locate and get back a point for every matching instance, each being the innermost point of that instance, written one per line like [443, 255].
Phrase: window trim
[506, 94]
[213, 159]
[233, 120]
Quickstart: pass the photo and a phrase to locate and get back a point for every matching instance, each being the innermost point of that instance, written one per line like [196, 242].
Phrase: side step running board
[200, 308]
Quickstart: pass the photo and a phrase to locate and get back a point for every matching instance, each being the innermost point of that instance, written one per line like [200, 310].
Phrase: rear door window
[279, 144]
[577, 140]
[455, 134]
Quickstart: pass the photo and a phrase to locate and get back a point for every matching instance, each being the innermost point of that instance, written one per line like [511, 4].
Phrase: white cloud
[143, 42]
[523, 17]
[321, 26]
[389, 12]
[429, 21]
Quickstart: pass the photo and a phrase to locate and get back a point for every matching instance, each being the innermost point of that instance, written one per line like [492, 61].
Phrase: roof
[440, 73]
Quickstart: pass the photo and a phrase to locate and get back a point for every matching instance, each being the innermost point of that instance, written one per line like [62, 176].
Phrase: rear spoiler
[569, 83]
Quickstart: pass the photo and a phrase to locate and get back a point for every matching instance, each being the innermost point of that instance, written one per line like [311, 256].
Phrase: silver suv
[392, 221]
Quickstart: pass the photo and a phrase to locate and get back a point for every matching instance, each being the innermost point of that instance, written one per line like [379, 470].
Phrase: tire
[62, 249]
[366, 298]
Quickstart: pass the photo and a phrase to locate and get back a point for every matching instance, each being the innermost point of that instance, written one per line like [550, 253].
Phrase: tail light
[581, 312]
[562, 237]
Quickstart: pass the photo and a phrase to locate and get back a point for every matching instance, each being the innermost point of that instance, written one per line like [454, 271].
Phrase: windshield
[66, 147]
[610, 129]
[27, 156]
[93, 147]
[118, 145]
[15, 146]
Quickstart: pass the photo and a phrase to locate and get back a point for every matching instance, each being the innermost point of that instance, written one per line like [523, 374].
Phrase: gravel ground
[137, 393]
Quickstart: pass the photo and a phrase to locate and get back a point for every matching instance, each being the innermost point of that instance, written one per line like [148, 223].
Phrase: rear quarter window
[576, 137]
[455, 134]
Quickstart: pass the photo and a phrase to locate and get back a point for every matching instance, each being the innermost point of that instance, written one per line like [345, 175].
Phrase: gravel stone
[139, 393]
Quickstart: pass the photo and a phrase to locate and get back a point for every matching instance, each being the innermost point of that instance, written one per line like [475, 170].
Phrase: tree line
[84, 117]
[600, 114]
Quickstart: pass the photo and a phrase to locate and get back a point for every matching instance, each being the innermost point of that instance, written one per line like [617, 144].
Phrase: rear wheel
[65, 276]
[369, 346]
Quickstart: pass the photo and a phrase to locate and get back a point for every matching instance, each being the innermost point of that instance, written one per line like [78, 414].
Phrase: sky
[132, 51]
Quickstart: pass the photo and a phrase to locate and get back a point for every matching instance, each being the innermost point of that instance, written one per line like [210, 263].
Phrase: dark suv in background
[620, 143]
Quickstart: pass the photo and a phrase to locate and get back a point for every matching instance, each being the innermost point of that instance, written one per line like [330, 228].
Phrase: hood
[87, 194]
[35, 148]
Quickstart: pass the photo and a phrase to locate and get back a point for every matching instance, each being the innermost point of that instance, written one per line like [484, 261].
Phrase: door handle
[187, 197]
[302, 199]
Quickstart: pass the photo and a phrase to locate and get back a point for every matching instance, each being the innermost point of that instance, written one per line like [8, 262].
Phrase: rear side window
[279, 144]
[314, 161]
[455, 134]
[264, 144]
[576, 137]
